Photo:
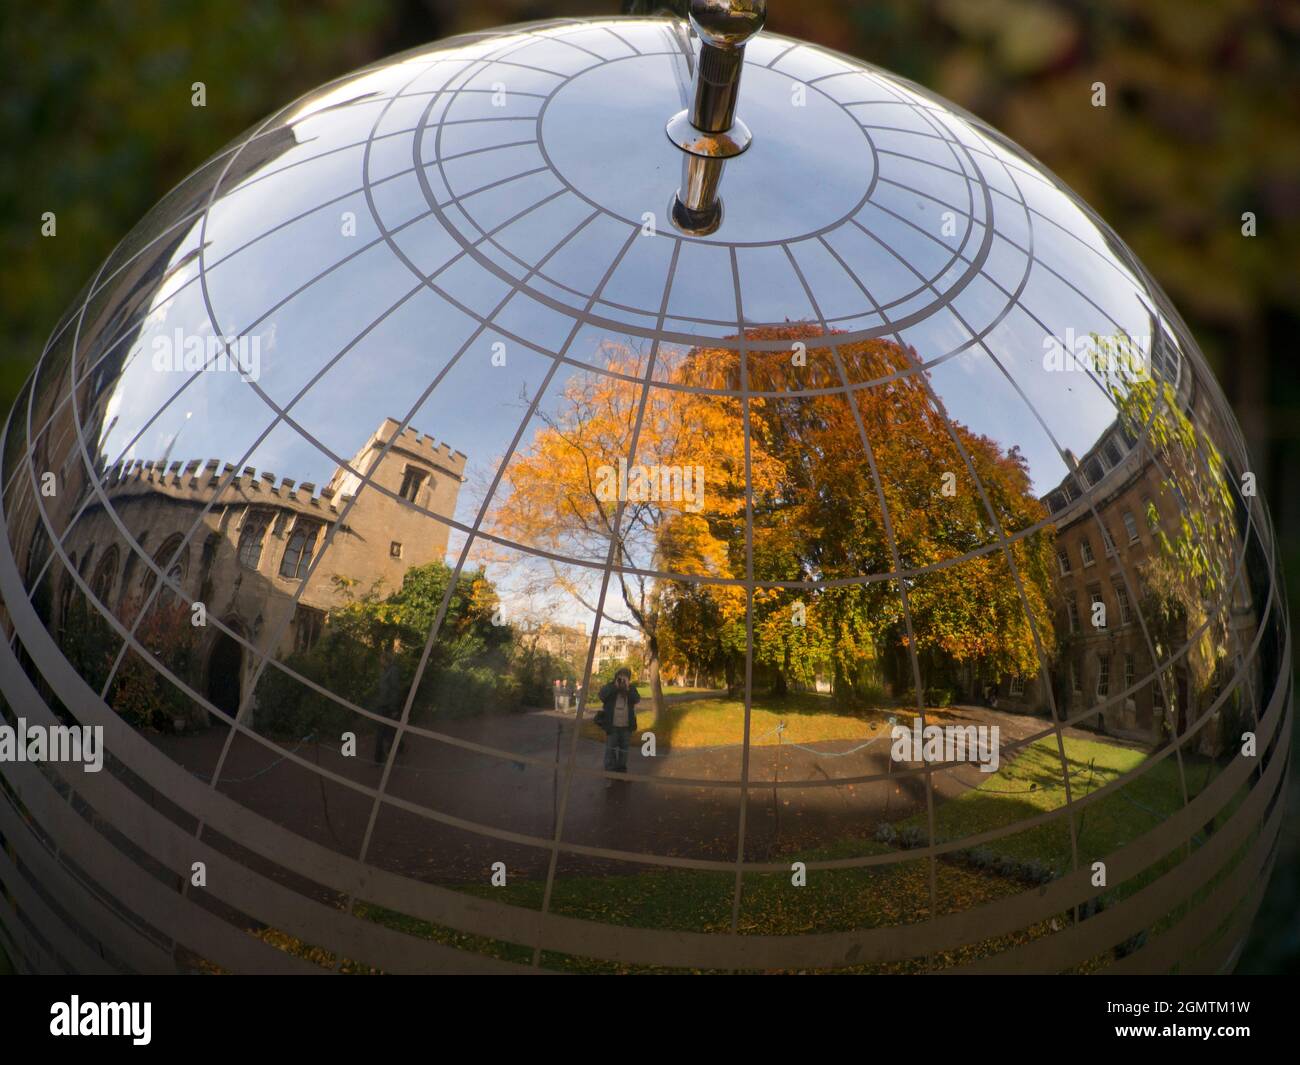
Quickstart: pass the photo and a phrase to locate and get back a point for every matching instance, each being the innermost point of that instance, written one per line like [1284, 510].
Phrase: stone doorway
[225, 666]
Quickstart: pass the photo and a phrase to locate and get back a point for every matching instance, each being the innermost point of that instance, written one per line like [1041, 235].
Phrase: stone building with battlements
[267, 556]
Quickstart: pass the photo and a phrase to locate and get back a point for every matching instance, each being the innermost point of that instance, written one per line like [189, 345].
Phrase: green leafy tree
[467, 671]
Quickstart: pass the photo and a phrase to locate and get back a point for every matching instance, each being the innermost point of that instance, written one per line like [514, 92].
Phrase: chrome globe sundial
[903, 438]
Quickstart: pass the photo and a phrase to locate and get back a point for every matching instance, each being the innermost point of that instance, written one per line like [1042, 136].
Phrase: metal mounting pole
[709, 131]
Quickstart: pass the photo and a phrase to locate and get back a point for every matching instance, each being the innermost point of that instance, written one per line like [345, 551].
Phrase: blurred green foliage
[97, 123]
[1202, 124]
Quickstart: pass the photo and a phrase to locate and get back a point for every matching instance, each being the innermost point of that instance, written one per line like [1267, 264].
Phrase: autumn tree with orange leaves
[553, 496]
[870, 430]
[835, 430]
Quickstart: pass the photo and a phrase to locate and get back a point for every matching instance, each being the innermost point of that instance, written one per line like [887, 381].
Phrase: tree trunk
[782, 686]
[842, 687]
[656, 681]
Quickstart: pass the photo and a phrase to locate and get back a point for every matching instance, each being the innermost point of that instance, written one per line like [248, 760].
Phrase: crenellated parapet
[197, 480]
[421, 446]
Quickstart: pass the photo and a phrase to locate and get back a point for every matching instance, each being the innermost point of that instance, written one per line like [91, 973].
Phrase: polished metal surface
[723, 145]
[697, 208]
[709, 131]
[369, 455]
[727, 24]
[709, 127]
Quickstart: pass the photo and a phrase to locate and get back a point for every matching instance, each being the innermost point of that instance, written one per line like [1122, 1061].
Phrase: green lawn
[697, 901]
[1032, 783]
[720, 722]
[862, 897]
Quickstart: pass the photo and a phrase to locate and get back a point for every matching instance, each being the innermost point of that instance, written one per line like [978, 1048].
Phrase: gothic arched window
[298, 552]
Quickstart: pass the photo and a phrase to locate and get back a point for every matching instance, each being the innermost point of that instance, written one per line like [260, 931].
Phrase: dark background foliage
[1202, 124]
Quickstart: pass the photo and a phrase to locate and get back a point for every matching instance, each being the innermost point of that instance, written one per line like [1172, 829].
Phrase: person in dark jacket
[617, 716]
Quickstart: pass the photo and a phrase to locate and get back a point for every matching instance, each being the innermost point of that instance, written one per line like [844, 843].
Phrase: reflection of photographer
[617, 716]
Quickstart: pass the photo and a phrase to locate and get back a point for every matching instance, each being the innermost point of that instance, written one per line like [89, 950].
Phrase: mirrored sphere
[449, 563]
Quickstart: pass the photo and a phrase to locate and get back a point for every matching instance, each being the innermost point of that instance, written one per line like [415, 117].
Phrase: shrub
[1134, 943]
[1036, 872]
[141, 694]
[534, 672]
[288, 709]
[466, 690]
[1092, 907]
